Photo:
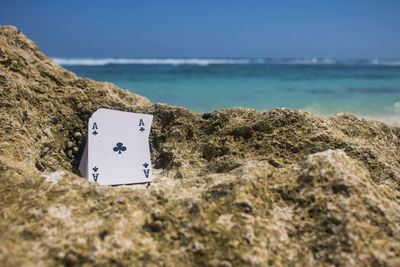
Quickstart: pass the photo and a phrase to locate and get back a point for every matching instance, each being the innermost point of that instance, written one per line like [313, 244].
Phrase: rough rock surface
[232, 187]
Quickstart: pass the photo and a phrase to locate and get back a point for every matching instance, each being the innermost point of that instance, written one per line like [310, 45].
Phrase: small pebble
[70, 144]
[69, 153]
[75, 150]
[77, 135]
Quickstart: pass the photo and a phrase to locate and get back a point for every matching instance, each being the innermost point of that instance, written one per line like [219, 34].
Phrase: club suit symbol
[119, 148]
[95, 174]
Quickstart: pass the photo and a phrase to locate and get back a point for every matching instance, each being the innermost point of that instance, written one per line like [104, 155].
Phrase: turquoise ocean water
[322, 86]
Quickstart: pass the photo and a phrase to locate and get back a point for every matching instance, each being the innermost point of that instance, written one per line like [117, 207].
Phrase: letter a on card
[117, 151]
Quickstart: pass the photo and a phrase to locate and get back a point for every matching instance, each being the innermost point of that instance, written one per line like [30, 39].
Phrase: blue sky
[218, 28]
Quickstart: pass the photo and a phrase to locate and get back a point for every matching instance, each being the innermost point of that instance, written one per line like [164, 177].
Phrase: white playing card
[118, 149]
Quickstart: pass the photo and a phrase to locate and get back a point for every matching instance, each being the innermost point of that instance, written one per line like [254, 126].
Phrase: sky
[217, 28]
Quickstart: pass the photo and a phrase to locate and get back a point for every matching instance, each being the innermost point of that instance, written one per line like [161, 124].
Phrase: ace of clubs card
[117, 150]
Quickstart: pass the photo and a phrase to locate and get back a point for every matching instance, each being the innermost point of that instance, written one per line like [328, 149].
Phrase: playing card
[117, 150]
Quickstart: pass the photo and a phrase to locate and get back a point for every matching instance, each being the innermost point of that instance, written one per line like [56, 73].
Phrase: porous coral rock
[232, 187]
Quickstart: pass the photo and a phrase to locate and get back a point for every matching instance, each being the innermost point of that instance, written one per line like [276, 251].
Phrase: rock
[232, 187]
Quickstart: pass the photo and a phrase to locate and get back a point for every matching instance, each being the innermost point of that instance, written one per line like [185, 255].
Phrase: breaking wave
[215, 61]
[147, 61]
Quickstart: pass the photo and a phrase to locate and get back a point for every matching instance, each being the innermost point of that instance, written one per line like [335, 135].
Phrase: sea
[366, 87]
